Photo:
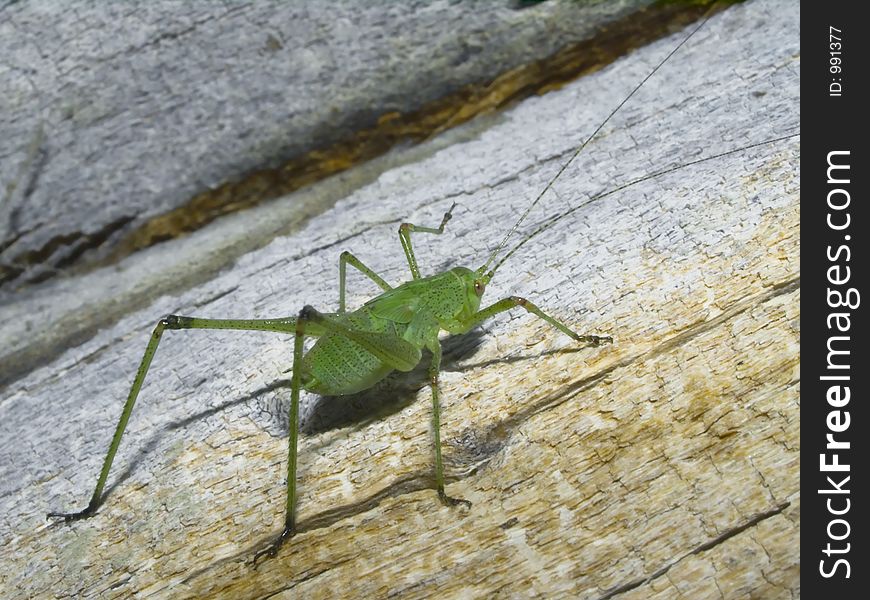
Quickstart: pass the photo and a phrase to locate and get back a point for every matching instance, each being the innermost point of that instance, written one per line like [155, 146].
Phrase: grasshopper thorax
[455, 297]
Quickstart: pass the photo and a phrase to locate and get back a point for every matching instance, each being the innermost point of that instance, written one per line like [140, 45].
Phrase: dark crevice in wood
[612, 41]
[62, 250]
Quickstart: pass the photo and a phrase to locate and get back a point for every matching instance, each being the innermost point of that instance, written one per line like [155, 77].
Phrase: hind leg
[282, 325]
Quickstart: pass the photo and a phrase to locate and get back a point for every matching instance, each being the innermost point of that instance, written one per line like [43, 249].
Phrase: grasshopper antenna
[580, 148]
[556, 218]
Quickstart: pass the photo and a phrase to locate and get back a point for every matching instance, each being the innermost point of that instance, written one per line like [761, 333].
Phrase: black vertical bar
[834, 370]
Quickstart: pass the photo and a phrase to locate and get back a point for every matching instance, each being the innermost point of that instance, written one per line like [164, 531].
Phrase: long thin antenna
[583, 145]
[555, 218]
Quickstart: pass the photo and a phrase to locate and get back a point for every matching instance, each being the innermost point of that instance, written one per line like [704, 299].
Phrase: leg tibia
[301, 325]
[434, 368]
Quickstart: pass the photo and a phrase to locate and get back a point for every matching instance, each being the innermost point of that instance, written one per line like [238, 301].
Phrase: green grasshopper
[355, 350]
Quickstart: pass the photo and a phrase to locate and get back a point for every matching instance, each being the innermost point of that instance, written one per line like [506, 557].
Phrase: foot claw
[271, 550]
[90, 511]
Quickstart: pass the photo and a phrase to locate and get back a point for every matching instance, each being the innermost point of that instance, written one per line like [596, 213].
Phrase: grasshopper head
[475, 284]
[482, 278]
[479, 280]
[466, 301]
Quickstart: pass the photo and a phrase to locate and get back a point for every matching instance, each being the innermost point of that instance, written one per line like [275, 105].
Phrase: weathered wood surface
[114, 118]
[141, 107]
[665, 464]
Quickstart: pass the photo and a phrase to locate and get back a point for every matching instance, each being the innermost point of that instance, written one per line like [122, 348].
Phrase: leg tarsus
[596, 340]
[88, 512]
[450, 501]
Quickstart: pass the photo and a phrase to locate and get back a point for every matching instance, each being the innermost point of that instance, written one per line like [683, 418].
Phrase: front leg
[513, 301]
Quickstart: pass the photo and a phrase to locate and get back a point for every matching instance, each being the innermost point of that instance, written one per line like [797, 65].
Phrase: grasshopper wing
[398, 305]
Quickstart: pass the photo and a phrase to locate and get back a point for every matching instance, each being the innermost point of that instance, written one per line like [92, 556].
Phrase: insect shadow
[390, 396]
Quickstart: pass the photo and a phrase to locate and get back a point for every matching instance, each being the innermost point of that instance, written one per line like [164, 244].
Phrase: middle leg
[434, 368]
[345, 258]
[405, 230]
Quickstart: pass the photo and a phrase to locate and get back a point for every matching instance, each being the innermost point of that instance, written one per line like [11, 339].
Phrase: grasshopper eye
[478, 288]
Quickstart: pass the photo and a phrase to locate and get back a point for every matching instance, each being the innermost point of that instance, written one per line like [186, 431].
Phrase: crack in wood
[611, 42]
[68, 247]
[719, 539]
